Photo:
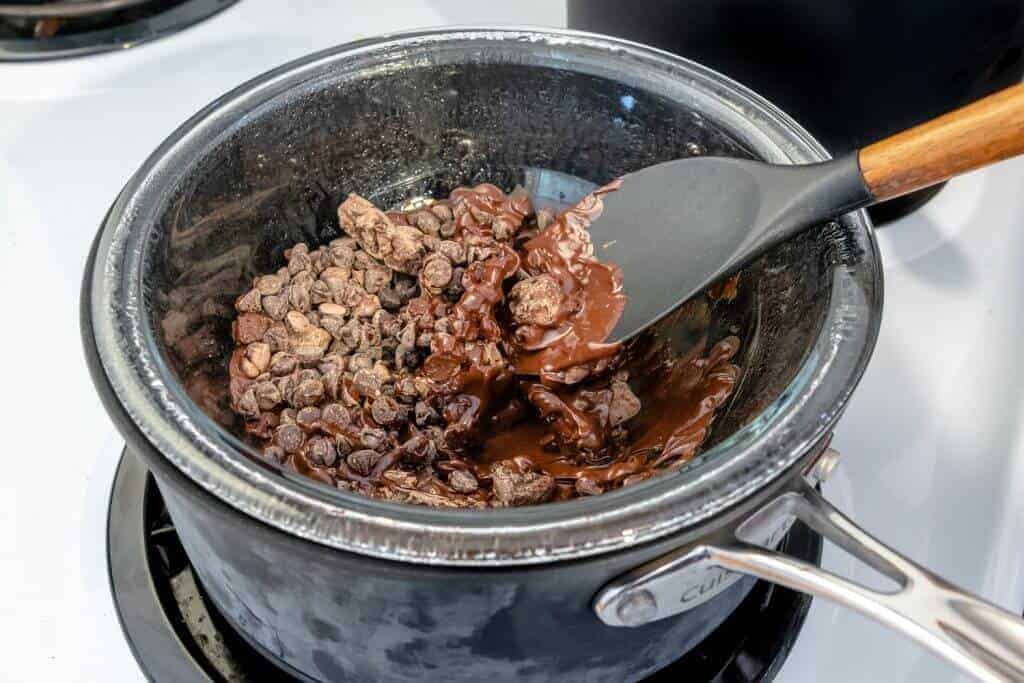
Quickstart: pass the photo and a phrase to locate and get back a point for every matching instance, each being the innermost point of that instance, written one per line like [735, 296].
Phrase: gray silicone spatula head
[676, 227]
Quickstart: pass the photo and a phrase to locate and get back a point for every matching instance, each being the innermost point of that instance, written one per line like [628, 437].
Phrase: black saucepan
[339, 587]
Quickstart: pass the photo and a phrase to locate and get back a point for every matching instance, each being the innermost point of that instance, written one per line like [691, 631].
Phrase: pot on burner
[333, 585]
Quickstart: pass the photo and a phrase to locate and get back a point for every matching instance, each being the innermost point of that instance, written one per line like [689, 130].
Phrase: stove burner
[176, 635]
[48, 30]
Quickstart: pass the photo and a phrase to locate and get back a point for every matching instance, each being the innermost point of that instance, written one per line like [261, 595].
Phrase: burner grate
[51, 30]
[176, 634]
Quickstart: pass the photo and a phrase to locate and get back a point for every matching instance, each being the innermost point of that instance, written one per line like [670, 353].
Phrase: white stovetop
[933, 460]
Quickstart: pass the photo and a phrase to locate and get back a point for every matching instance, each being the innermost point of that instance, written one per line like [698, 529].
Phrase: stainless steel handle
[984, 640]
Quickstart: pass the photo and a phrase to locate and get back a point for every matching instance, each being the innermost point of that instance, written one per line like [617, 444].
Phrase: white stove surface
[933, 456]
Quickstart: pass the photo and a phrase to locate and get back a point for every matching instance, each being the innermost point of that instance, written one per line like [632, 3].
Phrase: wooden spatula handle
[979, 134]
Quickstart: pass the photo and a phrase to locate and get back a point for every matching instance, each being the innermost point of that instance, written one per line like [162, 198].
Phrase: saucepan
[334, 586]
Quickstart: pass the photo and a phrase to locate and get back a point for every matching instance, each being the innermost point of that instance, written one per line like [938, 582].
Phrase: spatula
[676, 227]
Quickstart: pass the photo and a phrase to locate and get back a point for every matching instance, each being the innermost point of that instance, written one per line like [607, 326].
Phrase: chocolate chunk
[537, 300]
[399, 246]
[624, 404]
[513, 487]
[463, 481]
[585, 486]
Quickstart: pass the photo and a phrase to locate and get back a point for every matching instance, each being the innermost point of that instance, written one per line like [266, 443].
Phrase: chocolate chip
[249, 302]
[269, 284]
[423, 414]
[275, 306]
[307, 393]
[258, 353]
[374, 439]
[405, 389]
[289, 437]
[296, 322]
[436, 273]
[367, 306]
[342, 256]
[389, 299]
[342, 444]
[375, 279]
[250, 327]
[419, 450]
[320, 293]
[275, 453]
[336, 414]
[366, 384]
[369, 337]
[442, 211]
[283, 363]
[308, 417]
[385, 411]
[248, 369]
[504, 228]
[453, 251]
[363, 460]
[332, 309]
[321, 451]
[248, 406]
[267, 395]
[426, 221]
[405, 287]
[298, 262]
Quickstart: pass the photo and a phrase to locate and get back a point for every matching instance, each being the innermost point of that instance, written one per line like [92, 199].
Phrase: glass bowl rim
[724, 476]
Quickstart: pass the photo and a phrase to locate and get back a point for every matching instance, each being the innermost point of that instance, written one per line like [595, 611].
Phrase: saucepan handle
[982, 639]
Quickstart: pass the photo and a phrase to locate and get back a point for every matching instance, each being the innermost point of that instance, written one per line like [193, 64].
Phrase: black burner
[176, 635]
[48, 29]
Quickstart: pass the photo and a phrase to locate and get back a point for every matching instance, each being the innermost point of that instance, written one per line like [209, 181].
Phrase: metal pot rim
[725, 475]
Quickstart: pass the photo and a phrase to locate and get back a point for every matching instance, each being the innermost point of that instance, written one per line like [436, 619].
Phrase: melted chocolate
[592, 290]
[519, 375]
[675, 422]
